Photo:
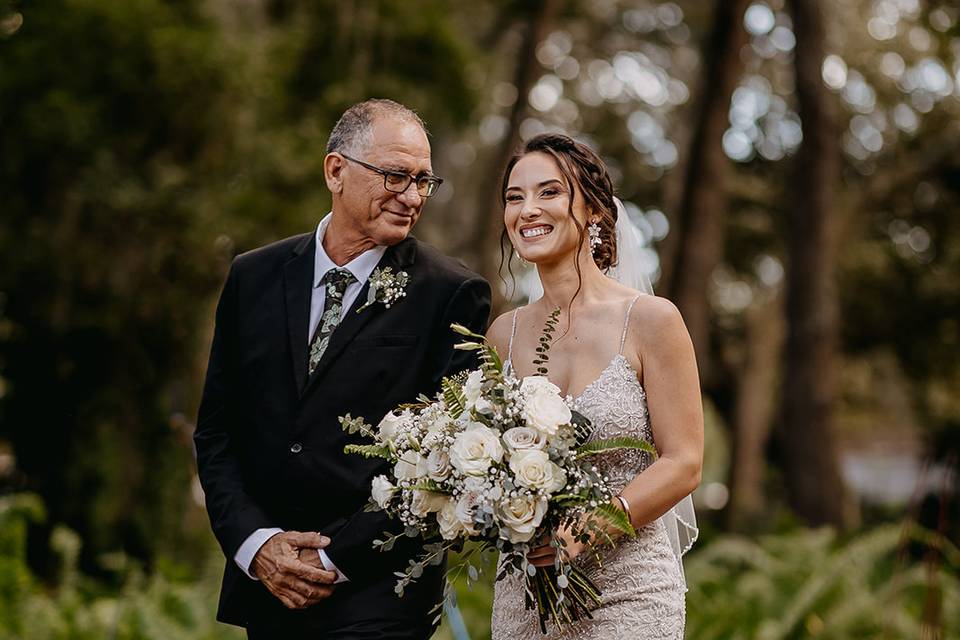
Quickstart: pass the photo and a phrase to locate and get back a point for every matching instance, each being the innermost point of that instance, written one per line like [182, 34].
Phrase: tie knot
[337, 280]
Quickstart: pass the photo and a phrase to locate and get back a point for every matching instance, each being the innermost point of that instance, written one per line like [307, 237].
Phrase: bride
[627, 360]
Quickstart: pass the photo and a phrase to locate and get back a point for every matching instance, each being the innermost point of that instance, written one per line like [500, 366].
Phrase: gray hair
[352, 133]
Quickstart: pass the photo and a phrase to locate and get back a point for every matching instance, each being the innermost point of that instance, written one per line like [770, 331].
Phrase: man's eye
[396, 178]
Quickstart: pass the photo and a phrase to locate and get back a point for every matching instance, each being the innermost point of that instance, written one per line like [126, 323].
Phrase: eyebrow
[404, 170]
[542, 184]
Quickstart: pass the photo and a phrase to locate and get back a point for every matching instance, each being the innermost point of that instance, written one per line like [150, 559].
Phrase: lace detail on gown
[641, 584]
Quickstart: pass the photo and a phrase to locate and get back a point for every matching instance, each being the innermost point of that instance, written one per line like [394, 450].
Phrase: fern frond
[615, 518]
[453, 396]
[613, 444]
[370, 450]
[491, 361]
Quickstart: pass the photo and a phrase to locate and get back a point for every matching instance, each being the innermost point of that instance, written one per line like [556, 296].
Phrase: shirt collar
[361, 267]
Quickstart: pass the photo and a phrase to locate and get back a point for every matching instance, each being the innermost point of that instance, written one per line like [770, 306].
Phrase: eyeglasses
[398, 182]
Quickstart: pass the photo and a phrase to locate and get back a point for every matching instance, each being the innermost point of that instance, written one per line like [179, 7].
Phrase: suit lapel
[399, 256]
[298, 287]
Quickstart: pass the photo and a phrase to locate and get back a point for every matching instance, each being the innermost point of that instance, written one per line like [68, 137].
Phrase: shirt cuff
[248, 550]
[329, 566]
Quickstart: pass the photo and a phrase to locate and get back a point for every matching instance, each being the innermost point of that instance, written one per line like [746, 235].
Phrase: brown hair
[581, 165]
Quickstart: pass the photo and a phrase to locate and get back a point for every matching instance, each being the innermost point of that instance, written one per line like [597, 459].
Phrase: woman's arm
[670, 379]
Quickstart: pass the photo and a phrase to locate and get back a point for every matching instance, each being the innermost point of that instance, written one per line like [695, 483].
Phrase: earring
[523, 262]
[593, 231]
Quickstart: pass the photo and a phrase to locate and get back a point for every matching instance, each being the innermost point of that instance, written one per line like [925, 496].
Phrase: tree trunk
[695, 244]
[489, 210]
[808, 450]
[753, 411]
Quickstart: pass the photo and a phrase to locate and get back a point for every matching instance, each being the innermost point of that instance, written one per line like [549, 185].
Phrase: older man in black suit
[308, 329]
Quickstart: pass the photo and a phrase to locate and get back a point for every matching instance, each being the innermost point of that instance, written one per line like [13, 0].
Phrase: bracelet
[626, 507]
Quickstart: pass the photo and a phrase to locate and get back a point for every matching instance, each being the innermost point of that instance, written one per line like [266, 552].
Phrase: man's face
[382, 216]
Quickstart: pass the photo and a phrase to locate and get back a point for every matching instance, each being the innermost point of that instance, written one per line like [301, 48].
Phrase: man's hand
[295, 583]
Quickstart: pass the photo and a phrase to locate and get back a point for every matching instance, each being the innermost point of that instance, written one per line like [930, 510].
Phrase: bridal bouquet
[496, 463]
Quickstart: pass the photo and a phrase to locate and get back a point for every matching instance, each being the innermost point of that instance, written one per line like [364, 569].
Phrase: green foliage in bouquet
[496, 463]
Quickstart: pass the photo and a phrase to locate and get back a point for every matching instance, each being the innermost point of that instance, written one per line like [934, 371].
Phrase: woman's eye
[513, 198]
[549, 193]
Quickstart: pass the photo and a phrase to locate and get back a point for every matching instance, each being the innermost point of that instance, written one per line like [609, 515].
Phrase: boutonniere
[386, 287]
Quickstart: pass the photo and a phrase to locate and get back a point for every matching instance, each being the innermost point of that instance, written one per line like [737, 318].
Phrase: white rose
[450, 525]
[536, 385]
[464, 510]
[475, 449]
[522, 515]
[392, 424]
[438, 465]
[410, 466]
[387, 429]
[425, 502]
[523, 438]
[382, 491]
[546, 412]
[471, 388]
[533, 469]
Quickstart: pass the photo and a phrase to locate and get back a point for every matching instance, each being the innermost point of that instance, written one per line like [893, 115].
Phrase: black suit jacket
[269, 444]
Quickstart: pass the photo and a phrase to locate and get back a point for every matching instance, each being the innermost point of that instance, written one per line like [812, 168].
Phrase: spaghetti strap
[513, 332]
[626, 324]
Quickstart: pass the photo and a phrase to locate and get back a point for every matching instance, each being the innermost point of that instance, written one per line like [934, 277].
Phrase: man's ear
[333, 165]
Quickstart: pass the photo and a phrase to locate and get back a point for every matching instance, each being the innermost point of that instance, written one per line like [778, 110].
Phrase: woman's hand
[545, 554]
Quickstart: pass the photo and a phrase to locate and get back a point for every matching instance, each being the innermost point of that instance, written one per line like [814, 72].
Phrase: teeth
[536, 231]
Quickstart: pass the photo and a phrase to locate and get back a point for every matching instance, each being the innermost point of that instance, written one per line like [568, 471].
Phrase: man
[299, 341]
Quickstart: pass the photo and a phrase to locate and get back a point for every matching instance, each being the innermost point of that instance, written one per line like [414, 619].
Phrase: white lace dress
[641, 581]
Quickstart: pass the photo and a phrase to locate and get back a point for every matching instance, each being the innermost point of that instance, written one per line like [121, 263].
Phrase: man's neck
[342, 243]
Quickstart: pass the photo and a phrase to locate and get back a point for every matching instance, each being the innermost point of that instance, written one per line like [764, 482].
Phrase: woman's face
[537, 214]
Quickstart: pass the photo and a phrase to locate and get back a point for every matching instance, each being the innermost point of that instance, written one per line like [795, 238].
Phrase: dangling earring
[593, 231]
[523, 262]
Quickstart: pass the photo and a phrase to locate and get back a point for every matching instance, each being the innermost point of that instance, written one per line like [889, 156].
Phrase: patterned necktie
[335, 283]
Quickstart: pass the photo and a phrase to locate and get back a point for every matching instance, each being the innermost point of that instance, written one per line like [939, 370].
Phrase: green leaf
[370, 450]
[613, 444]
[615, 517]
[355, 425]
[453, 396]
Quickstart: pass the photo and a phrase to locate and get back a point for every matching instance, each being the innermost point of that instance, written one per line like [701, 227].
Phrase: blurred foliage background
[792, 164]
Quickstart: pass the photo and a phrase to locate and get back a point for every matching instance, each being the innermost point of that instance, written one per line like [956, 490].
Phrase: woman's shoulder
[656, 324]
[654, 308]
[498, 333]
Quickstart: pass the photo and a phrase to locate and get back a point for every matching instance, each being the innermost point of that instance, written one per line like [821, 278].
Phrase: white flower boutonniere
[386, 287]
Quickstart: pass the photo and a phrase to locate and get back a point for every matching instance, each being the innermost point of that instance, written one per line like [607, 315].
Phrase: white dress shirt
[361, 267]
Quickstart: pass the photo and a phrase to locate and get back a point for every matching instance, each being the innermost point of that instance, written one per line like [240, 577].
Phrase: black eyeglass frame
[429, 179]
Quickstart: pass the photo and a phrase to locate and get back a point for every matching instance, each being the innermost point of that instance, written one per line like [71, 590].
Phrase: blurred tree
[695, 247]
[144, 144]
[809, 455]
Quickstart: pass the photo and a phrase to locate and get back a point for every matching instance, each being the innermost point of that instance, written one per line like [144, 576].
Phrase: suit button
[296, 447]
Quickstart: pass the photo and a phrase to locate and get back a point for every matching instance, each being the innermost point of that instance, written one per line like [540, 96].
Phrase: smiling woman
[628, 362]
